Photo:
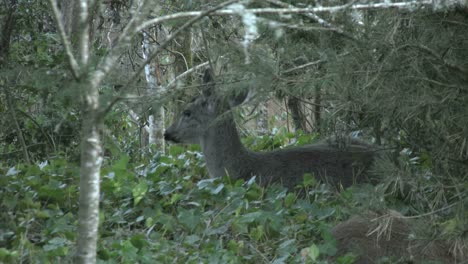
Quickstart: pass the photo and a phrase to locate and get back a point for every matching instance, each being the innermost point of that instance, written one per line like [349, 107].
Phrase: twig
[310, 64]
[182, 56]
[436, 56]
[184, 74]
[439, 57]
[195, 18]
[123, 40]
[16, 151]
[189, 23]
[304, 66]
[169, 85]
[316, 18]
[75, 69]
[49, 137]
[296, 26]
[416, 216]
[207, 50]
[115, 101]
[11, 108]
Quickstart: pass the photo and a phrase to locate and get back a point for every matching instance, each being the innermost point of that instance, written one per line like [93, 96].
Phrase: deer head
[201, 113]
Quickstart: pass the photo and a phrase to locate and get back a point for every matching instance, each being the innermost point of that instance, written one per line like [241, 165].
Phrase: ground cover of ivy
[164, 209]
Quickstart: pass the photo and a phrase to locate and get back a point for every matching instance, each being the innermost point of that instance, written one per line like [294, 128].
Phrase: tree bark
[91, 160]
[317, 122]
[7, 29]
[299, 120]
[262, 119]
[69, 20]
[156, 119]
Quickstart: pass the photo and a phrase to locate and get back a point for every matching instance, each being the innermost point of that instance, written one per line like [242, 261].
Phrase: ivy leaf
[251, 217]
[176, 150]
[311, 253]
[309, 180]
[289, 200]
[139, 191]
[129, 251]
[121, 165]
[189, 218]
[139, 241]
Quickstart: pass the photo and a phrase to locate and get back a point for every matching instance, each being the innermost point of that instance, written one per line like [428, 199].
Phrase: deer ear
[239, 97]
[208, 83]
[208, 76]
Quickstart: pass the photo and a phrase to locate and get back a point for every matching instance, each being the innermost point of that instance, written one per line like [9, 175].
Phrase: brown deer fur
[371, 237]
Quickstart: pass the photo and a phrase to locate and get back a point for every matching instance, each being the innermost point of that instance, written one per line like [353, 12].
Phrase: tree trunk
[7, 28]
[156, 118]
[317, 117]
[298, 117]
[69, 20]
[262, 119]
[91, 159]
[91, 145]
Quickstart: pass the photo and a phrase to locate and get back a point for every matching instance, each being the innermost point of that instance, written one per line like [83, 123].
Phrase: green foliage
[279, 137]
[163, 211]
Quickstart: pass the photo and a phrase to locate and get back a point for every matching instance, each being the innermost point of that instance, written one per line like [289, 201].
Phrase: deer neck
[223, 149]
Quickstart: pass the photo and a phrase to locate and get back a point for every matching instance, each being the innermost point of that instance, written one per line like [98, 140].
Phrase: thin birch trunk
[156, 119]
[262, 119]
[91, 149]
[91, 160]
[297, 115]
[317, 111]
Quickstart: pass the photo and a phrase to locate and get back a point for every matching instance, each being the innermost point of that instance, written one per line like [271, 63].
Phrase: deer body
[371, 238]
[225, 154]
[207, 121]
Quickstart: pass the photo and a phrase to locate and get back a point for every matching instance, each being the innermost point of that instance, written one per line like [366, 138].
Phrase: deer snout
[169, 137]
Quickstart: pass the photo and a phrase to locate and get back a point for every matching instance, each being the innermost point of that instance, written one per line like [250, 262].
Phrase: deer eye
[186, 113]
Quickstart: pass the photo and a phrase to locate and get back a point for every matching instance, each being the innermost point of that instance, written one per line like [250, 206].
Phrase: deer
[372, 236]
[208, 121]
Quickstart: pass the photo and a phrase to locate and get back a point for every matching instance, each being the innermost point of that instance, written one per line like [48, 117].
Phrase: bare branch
[100, 73]
[171, 37]
[75, 69]
[46, 135]
[11, 108]
[316, 18]
[129, 31]
[184, 74]
[296, 26]
[195, 16]
[207, 49]
[303, 66]
[307, 10]
[169, 85]
[438, 57]
[83, 33]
